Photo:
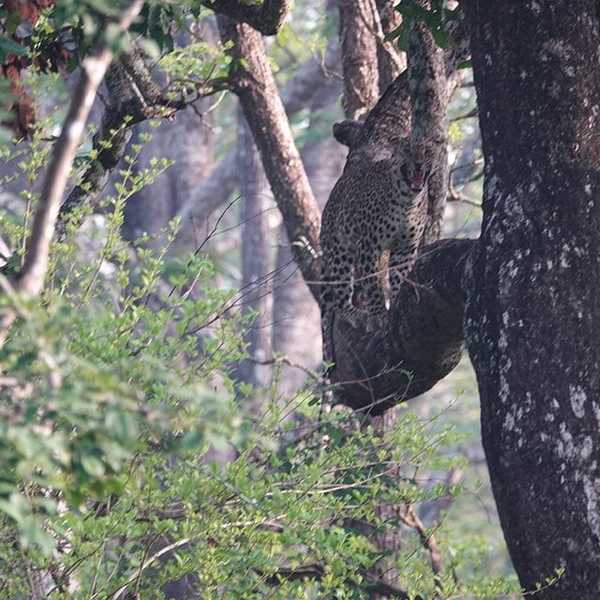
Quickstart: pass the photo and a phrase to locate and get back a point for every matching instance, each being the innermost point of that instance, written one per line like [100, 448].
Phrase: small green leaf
[440, 37]
[8, 46]
[92, 465]
[33, 535]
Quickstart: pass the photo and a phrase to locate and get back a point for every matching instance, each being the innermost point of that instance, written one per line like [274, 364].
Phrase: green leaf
[8, 46]
[440, 37]
[92, 465]
[33, 535]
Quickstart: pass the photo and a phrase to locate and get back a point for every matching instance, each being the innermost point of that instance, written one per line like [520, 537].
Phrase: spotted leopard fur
[377, 210]
[379, 205]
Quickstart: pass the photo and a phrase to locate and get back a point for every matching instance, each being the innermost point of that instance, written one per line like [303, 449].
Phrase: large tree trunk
[533, 315]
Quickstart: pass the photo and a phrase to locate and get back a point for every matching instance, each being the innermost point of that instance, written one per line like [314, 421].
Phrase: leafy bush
[117, 404]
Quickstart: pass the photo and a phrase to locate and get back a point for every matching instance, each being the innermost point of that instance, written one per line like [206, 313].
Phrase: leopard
[375, 211]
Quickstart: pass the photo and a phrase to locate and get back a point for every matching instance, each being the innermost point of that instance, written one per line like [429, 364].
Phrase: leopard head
[414, 168]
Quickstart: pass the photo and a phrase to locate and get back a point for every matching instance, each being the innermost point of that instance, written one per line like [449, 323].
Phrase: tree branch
[429, 92]
[32, 276]
[410, 518]
[420, 342]
[359, 57]
[267, 17]
[133, 98]
[391, 62]
[312, 77]
[253, 83]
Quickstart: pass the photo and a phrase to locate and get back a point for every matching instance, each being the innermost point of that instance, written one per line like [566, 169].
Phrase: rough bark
[430, 92]
[359, 57]
[390, 62]
[252, 81]
[533, 316]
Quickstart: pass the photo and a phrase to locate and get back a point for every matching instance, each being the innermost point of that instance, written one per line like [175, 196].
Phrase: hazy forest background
[161, 433]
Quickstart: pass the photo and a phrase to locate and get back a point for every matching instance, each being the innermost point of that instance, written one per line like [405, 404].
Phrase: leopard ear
[347, 132]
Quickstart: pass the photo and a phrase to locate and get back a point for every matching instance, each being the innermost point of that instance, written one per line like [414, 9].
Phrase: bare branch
[455, 196]
[284, 360]
[468, 115]
[120, 591]
[410, 518]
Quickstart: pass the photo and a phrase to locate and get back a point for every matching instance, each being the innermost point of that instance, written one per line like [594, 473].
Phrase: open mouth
[418, 180]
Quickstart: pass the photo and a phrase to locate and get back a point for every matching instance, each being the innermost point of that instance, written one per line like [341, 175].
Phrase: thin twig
[286, 361]
[410, 518]
[469, 115]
